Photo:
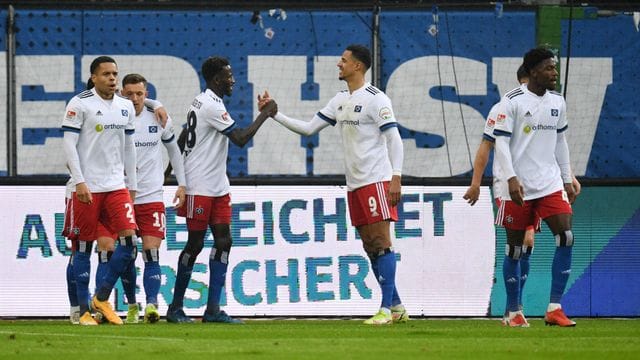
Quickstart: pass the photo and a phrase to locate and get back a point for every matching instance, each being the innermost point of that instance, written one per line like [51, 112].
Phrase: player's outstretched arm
[301, 127]
[479, 164]
[305, 128]
[242, 136]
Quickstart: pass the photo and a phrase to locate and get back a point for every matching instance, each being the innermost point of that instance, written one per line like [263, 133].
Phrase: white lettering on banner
[286, 77]
[55, 74]
[175, 92]
[409, 87]
[294, 253]
[584, 103]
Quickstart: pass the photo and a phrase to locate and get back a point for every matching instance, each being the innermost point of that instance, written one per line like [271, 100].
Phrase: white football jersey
[532, 122]
[207, 145]
[361, 118]
[498, 181]
[149, 139]
[102, 125]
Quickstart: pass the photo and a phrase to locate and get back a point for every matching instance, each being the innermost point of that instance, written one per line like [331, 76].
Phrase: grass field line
[84, 335]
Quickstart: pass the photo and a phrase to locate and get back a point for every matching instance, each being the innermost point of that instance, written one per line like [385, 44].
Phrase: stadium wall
[296, 254]
[442, 83]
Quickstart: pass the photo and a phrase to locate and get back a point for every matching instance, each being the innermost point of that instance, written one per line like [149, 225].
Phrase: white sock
[385, 310]
[74, 309]
[398, 307]
[553, 306]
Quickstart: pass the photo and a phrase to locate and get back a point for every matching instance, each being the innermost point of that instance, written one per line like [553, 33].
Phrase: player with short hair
[533, 155]
[209, 129]
[473, 192]
[99, 148]
[373, 157]
[149, 204]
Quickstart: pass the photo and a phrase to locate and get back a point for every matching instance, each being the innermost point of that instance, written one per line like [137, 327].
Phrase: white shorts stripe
[384, 204]
[500, 213]
[190, 202]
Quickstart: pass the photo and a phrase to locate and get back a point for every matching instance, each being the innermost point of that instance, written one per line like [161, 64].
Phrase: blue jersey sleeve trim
[70, 129]
[489, 138]
[169, 139]
[129, 131]
[229, 129]
[497, 132]
[563, 129]
[326, 118]
[388, 126]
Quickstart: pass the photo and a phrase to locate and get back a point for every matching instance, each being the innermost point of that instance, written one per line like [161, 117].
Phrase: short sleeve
[490, 124]
[504, 118]
[73, 116]
[381, 111]
[131, 113]
[563, 124]
[329, 111]
[219, 119]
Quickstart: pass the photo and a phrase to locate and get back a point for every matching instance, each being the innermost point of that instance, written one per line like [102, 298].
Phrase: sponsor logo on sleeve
[501, 118]
[225, 116]
[70, 115]
[125, 112]
[385, 113]
[491, 122]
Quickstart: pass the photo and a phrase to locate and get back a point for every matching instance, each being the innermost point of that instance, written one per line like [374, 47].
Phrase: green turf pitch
[321, 339]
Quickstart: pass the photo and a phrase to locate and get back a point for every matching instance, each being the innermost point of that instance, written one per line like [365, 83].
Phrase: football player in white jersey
[209, 129]
[533, 156]
[105, 239]
[373, 166]
[148, 205]
[473, 192]
[99, 148]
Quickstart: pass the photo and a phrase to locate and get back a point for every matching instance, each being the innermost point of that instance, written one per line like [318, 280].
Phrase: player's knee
[564, 238]
[187, 259]
[152, 254]
[513, 251]
[221, 249]
[194, 246]
[379, 252]
[104, 256]
[128, 240]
